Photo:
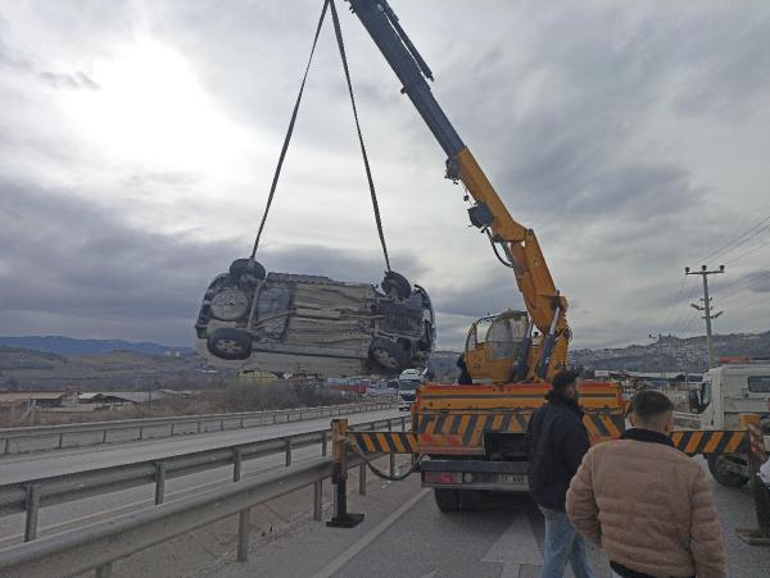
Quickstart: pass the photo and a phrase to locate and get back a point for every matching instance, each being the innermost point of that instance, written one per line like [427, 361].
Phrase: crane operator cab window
[502, 334]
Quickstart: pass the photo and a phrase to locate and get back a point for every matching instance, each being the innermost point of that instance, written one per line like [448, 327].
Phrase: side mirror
[693, 400]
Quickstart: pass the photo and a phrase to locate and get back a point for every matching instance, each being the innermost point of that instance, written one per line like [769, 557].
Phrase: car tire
[396, 286]
[447, 500]
[388, 355]
[723, 476]
[240, 267]
[230, 344]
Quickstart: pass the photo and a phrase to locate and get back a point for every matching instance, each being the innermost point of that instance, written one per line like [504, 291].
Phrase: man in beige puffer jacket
[646, 503]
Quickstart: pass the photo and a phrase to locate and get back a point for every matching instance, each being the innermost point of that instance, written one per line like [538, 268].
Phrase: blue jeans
[563, 543]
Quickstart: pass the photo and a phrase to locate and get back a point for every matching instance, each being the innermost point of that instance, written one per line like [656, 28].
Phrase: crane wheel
[721, 472]
[447, 500]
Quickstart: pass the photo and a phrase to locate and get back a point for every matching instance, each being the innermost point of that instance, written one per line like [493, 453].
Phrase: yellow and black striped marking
[693, 442]
[391, 442]
[469, 428]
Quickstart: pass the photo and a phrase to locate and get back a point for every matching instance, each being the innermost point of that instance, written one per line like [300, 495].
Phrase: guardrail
[98, 545]
[26, 439]
[30, 495]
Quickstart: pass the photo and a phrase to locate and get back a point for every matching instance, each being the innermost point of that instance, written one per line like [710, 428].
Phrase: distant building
[41, 399]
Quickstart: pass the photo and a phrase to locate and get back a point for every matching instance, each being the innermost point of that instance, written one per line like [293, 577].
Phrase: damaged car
[309, 324]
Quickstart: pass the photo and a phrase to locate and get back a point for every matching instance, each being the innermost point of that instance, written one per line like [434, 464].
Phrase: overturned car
[306, 324]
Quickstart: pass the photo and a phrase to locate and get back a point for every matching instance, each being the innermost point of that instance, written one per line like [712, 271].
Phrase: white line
[348, 554]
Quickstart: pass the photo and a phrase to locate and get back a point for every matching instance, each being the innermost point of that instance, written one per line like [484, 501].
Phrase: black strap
[372, 192]
[287, 138]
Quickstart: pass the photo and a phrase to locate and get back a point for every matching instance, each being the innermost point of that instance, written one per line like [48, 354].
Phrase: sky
[138, 141]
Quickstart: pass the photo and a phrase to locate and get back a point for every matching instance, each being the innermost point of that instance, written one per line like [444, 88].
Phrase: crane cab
[494, 344]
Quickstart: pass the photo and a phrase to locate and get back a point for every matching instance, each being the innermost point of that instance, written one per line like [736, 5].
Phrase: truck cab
[726, 392]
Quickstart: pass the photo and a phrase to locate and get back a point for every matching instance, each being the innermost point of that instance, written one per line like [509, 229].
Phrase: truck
[471, 437]
[466, 440]
[737, 386]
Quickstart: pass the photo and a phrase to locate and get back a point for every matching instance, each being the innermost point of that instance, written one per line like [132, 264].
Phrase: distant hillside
[670, 353]
[70, 346]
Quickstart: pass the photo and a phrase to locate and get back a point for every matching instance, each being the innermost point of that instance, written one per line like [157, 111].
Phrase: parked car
[293, 323]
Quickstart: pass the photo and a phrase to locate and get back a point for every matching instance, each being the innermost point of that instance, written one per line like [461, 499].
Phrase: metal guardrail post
[757, 456]
[237, 464]
[141, 433]
[324, 443]
[317, 500]
[104, 571]
[6, 445]
[171, 433]
[32, 503]
[342, 518]
[403, 424]
[221, 425]
[288, 451]
[199, 426]
[160, 482]
[362, 479]
[392, 455]
[241, 424]
[244, 526]
[104, 436]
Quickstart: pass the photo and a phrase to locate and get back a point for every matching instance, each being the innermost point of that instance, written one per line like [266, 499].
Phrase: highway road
[405, 535]
[20, 468]
[62, 517]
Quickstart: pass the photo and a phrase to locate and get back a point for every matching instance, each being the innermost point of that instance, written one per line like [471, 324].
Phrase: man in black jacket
[557, 442]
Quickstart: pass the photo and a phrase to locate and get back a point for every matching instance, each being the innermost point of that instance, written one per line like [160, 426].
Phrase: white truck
[735, 387]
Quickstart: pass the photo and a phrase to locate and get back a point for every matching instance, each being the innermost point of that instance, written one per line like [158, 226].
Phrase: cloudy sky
[138, 141]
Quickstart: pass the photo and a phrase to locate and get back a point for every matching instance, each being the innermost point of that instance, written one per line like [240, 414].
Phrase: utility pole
[706, 308]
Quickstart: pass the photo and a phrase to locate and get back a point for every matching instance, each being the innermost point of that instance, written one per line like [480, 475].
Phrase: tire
[447, 500]
[230, 344]
[230, 304]
[726, 477]
[240, 267]
[396, 286]
[388, 355]
[469, 500]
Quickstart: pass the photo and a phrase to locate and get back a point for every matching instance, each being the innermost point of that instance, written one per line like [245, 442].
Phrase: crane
[510, 348]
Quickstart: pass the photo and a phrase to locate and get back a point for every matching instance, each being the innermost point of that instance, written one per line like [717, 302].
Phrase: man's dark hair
[648, 404]
[564, 379]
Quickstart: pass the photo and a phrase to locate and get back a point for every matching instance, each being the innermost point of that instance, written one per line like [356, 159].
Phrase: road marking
[431, 575]
[348, 554]
[516, 546]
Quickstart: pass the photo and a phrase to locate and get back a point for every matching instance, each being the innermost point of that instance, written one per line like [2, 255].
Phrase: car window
[759, 384]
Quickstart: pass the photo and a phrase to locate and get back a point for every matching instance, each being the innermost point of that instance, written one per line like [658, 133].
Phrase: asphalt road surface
[69, 515]
[405, 535]
[20, 468]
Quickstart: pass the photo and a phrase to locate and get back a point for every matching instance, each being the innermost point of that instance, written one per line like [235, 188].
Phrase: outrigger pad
[313, 325]
[345, 521]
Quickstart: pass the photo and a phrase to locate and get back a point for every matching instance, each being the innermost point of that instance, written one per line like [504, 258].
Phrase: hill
[671, 353]
[70, 346]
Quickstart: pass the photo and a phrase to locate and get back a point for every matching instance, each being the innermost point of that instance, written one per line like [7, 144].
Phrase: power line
[747, 253]
[721, 250]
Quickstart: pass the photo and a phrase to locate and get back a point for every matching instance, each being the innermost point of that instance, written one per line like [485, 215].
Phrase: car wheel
[447, 500]
[230, 304]
[230, 344]
[396, 286]
[388, 355]
[242, 266]
[719, 468]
